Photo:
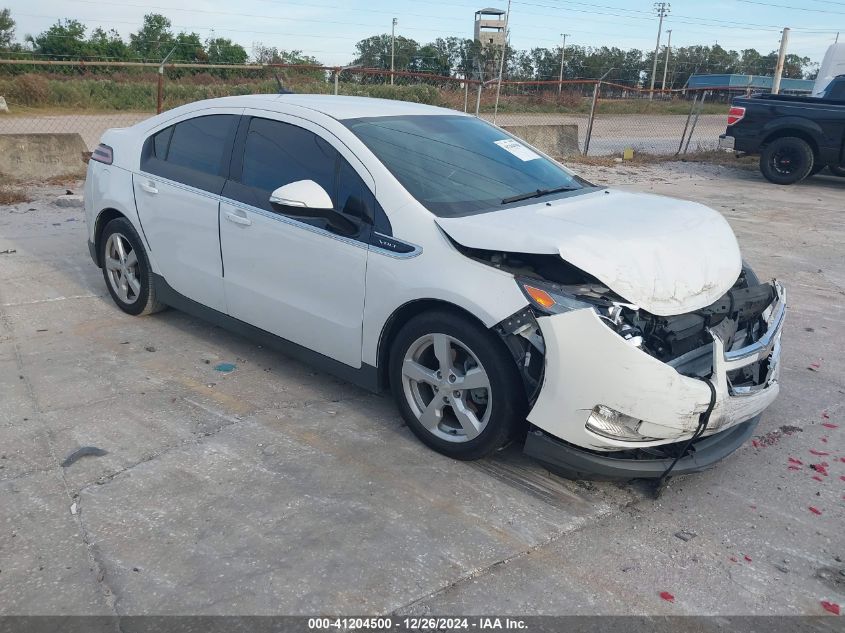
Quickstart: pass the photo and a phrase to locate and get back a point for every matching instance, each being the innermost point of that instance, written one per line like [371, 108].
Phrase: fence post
[478, 98]
[695, 120]
[596, 90]
[336, 76]
[592, 116]
[686, 125]
[160, 95]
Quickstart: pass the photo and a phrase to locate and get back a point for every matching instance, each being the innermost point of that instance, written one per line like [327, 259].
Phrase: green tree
[189, 49]
[374, 52]
[108, 45]
[65, 39]
[154, 39]
[224, 51]
[7, 29]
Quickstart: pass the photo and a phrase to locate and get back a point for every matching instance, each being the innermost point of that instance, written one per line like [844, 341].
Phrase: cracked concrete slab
[45, 568]
[276, 489]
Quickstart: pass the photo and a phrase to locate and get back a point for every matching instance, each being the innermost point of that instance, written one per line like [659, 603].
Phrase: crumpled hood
[665, 255]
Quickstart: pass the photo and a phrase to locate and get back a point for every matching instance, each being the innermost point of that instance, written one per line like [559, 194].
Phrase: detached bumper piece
[726, 143]
[575, 463]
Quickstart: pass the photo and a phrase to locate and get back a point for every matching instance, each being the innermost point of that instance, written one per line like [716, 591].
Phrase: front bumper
[576, 463]
[588, 364]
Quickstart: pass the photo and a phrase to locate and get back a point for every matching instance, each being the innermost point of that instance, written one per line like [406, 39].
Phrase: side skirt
[366, 377]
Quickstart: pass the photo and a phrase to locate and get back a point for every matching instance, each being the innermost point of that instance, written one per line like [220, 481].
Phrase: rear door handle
[149, 187]
[238, 219]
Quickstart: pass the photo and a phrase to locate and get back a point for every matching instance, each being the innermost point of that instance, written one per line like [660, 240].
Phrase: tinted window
[277, 154]
[456, 165]
[161, 141]
[201, 144]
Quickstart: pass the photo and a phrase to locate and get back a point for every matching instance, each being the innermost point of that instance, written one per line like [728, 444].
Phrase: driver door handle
[149, 187]
[238, 219]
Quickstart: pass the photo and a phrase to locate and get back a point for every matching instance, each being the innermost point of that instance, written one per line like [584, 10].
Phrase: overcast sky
[328, 29]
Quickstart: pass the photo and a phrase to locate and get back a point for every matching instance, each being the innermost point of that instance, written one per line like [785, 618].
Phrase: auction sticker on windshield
[517, 149]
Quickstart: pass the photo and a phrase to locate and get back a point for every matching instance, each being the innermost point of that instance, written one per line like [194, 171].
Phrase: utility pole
[784, 41]
[666, 64]
[392, 48]
[502, 62]
[562, 53]
[662, 9]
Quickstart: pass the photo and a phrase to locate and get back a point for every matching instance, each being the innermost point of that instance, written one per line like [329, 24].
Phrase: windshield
[460, 165]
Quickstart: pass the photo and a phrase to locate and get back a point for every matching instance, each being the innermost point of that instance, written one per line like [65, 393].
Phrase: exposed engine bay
[682, 341]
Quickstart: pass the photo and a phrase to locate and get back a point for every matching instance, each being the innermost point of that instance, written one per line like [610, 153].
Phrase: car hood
[665, 255]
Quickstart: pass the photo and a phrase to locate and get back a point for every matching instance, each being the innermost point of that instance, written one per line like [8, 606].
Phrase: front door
[294, 277]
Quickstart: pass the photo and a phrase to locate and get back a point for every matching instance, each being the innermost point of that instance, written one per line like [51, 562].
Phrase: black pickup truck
[796, 137]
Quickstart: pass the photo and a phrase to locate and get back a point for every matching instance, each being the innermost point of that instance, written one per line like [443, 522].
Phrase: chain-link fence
[563, 118]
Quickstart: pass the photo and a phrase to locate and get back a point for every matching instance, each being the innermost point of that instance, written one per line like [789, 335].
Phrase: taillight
[735, 114]
[103, 154]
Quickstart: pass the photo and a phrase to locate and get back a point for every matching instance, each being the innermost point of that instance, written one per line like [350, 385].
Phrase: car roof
[337, 107]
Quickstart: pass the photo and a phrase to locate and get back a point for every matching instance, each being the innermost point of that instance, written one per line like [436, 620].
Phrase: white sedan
[497, 294]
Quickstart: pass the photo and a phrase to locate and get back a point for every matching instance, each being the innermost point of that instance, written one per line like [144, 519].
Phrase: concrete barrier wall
[32, 157]
[555, 140]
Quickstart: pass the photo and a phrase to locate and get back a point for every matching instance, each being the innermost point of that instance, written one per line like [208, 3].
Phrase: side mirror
[304, 195]
[307, 199]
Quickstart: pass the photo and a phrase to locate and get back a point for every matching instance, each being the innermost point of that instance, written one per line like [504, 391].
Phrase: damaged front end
[618, 392]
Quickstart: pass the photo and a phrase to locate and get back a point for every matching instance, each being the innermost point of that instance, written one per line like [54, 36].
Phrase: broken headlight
[553, 299]
[615, 425]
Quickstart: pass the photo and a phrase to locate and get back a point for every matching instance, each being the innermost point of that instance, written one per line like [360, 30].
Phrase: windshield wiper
[536, 194]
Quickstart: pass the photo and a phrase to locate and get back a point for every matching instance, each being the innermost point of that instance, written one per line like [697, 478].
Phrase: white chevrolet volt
[493, 291]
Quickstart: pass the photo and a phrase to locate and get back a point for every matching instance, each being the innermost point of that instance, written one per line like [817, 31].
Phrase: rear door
[183, 171]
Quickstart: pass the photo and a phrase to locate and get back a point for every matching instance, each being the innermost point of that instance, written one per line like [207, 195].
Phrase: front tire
[456, 385]
[126, 269]
[787, 160]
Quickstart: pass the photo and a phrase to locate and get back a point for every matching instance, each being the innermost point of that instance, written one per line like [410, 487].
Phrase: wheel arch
[798, 132]
[400, 317]
[103, 218]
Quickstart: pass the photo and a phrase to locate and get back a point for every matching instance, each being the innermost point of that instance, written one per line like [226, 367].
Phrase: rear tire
[787, 160]
[837, 171]
[431, 358]
[126, 269]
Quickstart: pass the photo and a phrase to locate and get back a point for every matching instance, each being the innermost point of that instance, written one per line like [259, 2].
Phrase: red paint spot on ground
[820, 468]
[825, 415]
[747, 557]
[733, 559]
[817, 478]
[842, 459]
[830, 606]
[755, 443]
[842, 477]
[824, 440]
[830, 425]
[794, 467]
[817, 452]
[668, 597]
[792, 460]
[814, 365]
[814, 510]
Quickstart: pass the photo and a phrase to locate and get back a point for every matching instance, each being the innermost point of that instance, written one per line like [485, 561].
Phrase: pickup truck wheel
[837, 171]
[456, 385]
[786, 160]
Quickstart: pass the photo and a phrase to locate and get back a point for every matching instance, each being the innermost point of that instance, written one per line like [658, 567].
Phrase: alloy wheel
[121, 265]
[446, 387]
